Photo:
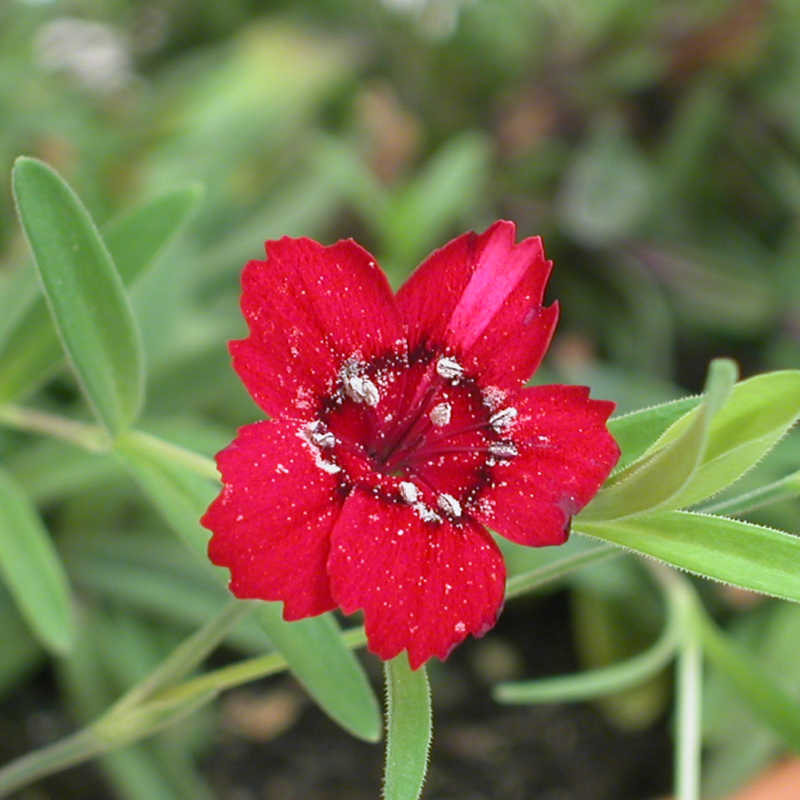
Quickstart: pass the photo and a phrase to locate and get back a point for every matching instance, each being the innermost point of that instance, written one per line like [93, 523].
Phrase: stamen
[361, 390]
[440, 414]
[310, 434]
[409, 492]
[449, 369]
[503, 449]
[449, 505]
[319, 436]
[503, 420]
[425, 513]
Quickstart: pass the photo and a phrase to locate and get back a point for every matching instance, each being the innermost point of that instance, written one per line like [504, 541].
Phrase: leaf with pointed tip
[84, 292]
[755, 417]
[638, 431]
[312, 647]
[32, 570]
[656, 479]
[598, 682]
[29, 345]
[751, 556]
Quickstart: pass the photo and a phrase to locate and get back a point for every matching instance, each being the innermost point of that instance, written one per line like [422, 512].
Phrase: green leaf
[408, 729]
[756, 416]
[147, 574]
[30, 350]
[329, 671]
[84, 292]
[787, 488]
[313, 647]
[532, 580]
[33, 571]
[656, 479]
[178, 491]
[21, 652]
[597, 682]
[638, 431]
[138, 237]
[732, 551]
[186, 656]
[766, 698]
[440, 193]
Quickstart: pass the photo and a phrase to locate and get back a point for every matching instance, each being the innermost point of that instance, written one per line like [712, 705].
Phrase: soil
[481, 750]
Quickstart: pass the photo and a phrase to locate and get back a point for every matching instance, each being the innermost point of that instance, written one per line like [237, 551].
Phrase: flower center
[413, 429]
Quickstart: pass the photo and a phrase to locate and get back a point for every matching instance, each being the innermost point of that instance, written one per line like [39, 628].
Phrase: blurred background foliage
[655, 146]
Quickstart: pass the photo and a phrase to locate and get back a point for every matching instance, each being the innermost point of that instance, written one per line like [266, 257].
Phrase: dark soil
[481, 750]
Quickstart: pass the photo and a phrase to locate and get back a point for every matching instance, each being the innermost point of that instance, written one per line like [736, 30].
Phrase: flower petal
[273, 519]
[481, 295]
[565, 455]
[309, 309]
[423, 586]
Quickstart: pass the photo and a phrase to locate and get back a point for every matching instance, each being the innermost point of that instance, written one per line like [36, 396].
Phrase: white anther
[503, 449]
[408, 491]
[425, 513]
[503, 420]
[327, 466]
[362, 390]
[449, 505]
[440, 414]
[323, 439]
[448, 368]
[318, 435]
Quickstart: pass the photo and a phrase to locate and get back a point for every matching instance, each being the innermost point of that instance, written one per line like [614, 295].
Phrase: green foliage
[32, 570]
[84, 292]
[654, 149]
[408, 729]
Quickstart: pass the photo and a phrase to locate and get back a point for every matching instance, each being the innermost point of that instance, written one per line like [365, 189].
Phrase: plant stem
[67, 752]
[528, 581]
[148, 698]
[96, 440]
[784, 489]
[199, 464]
[185, 656]
[86, 743]
[689, 678]
[89, 437]
[604, 680]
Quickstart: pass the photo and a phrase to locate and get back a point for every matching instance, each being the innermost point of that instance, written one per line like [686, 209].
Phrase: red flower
[400, 428]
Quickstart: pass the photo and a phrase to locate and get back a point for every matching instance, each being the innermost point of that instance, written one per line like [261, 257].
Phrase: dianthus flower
[400, 428]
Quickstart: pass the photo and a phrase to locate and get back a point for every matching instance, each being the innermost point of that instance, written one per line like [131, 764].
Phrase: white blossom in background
[94, 54]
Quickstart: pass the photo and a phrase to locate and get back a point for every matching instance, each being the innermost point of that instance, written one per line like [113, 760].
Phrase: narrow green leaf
[408, 729]
[30, 349]
[32, 570]
[328, 670]
[313, 647]
[150, 575]
[137, 238]
[655, 480]
[638, 431]
[732, 551]
[186, 656]
[756, 416]
[531, 580]
[84, 292]
[787, 488]
[439, 193]
[179, 492]
[766, 698]
[21, 652]
[598, 682]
